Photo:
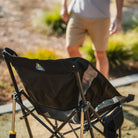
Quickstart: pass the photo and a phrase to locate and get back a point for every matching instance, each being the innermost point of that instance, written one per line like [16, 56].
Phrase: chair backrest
[52, 83]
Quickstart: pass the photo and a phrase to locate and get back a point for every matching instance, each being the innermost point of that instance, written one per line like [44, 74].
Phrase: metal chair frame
[56, 129]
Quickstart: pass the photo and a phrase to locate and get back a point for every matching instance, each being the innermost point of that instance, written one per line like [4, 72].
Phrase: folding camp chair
[69, 90]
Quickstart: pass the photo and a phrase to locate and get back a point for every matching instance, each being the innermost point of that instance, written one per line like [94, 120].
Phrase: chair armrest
[130, 97]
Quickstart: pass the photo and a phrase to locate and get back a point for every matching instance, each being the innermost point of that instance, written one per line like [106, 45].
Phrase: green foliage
[87, 51]
[50, 22]
[54, 22]
[42, 54]
[130, 19]
[131, 37]
[122, 47]
[117, 53]
[131, 41]
[135, 51]
[128, 40]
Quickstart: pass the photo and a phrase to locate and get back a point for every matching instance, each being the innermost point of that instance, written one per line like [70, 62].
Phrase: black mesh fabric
[100, 90]
[52, 83]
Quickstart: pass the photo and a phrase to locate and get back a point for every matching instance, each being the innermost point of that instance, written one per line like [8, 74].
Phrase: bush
[87, 51]
[42, 54]
[135, 52]
[54, 23]
[131, 41]
[118, 52]
[130, 19]
[50, 22]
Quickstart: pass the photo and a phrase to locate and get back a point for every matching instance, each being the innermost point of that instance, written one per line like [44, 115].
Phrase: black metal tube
[80, 87]
[66, 121]
[39, 120]
[17, 90]
[84, 102]
[11, 74]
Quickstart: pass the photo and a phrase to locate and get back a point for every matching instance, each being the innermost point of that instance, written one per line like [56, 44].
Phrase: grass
[129, 128]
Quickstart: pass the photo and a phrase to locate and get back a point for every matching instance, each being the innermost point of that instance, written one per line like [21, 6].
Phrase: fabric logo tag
[39, 67]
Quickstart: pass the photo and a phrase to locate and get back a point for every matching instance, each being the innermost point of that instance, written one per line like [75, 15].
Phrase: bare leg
[102, 63]
[101, 59]
[74, 51]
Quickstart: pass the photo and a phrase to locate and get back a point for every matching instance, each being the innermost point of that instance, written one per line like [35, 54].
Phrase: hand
[115, 27]
[64, 14]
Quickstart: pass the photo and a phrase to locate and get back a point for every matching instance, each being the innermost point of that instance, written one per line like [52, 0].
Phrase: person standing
[92, 17]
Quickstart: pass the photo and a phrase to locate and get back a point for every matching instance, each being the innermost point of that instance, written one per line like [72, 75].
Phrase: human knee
[72, 49]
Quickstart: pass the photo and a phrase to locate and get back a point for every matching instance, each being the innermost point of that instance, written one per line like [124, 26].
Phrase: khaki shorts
[98, 30]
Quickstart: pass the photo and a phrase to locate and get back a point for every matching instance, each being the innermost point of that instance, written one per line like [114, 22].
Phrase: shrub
[131, 41]
[87, 51]
[50, 22]
[117, 53]
[135, 52]
[130, 19]
[128, 40]
[42, 54]
[54, 23]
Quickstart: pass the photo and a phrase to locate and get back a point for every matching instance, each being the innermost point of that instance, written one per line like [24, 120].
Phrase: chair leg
[27, 123]
[89, 123]
[28, 127]
[84, 102]
[13, 132]
[82, 123]
[120, 132]
[25, 117]
[73, 130]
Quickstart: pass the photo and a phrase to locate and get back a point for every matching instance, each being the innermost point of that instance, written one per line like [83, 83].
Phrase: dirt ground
[17, 33]
[129, 127]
